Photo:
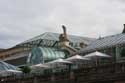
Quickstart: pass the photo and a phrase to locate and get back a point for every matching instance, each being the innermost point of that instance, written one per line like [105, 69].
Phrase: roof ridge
[109, 36]
[70, 35]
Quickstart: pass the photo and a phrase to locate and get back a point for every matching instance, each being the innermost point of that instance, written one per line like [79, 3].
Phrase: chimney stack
[81, 45]
[123, 29]
[65, 33]
[63, 37]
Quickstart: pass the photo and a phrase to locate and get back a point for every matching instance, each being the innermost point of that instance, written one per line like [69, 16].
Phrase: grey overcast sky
[24, 19]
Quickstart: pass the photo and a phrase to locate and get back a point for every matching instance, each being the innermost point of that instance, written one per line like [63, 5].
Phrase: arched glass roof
[6, 66]
[44, 54]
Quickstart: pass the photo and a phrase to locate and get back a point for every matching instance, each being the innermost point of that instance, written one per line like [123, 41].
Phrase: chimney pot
[123, 29]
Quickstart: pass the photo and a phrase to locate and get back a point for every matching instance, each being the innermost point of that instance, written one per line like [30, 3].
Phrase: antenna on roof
[123, 29]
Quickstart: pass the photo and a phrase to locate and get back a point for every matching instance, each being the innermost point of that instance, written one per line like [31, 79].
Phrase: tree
[26, 69]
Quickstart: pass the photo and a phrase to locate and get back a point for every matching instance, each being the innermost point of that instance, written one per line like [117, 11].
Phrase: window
[123, 52]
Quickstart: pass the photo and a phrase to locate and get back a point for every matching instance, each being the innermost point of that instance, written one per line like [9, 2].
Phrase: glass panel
[5, 66]
[41, 54]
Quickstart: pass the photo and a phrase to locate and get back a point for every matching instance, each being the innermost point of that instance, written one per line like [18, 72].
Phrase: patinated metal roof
[105, 42]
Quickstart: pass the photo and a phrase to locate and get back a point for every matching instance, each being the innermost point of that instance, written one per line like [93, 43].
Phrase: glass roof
[6, 66]
[55, 37]
[44, 54]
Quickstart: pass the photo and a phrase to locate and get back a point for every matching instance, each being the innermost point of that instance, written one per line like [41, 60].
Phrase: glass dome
[6, 66]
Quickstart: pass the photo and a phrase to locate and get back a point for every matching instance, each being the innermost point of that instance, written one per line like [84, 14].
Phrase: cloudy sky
[24, 19]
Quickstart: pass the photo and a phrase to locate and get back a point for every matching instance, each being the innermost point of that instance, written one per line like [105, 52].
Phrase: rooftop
[108, 41]
[55, 37]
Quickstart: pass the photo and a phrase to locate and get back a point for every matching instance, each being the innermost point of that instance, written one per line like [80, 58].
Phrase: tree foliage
[26, 69]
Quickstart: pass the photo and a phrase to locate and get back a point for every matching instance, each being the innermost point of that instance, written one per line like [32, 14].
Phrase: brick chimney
[65, 33]
[123, 29]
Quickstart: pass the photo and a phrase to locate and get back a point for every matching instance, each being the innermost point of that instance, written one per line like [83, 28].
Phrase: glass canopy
[6, 66]
[44, 54]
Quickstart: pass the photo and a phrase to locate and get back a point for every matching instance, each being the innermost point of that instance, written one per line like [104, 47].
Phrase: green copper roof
[44, 54]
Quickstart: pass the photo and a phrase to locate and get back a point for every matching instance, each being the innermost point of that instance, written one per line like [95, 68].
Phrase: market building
[45, 47]
[113, 45]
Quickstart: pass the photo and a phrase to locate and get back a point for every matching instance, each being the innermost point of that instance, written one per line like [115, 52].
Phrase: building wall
[18, 59]
[18, 62]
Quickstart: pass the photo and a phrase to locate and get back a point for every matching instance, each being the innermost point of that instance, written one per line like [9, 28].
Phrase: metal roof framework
[52, 39]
